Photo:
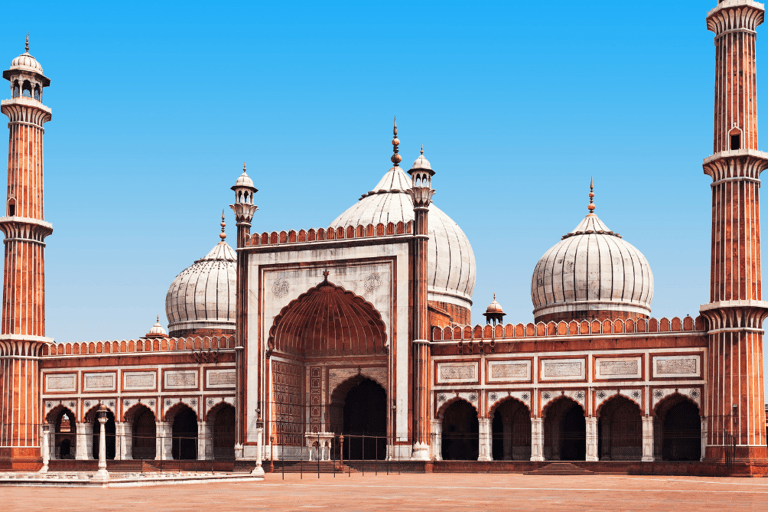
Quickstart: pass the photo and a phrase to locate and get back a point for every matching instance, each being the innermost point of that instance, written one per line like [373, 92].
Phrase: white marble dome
[591, 269]
[26, 62]
[204, 295]
[452, 267]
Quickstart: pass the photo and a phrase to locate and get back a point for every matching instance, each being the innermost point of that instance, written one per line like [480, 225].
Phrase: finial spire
[243, 166]
[223, 235]
[26, 46]
[494, 296]
[591, 206]
[158, 318]
[396, 158]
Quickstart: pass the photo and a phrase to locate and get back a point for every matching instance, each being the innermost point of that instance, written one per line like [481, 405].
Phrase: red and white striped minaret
[421, 192]
[22, 333]
[735, 404]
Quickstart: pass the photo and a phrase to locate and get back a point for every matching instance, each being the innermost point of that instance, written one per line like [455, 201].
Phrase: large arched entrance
[565, 431]
[677, 429]
[460, 432]
[511, 431]
[317, 341]
[223, 419]
[184, 434]
[143, 433]
[620, 430]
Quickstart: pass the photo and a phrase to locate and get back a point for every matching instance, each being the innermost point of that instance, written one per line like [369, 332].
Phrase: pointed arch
[511, 429]
[620, 429]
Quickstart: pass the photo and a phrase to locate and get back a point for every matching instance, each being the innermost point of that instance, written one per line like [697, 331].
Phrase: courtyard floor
[411, 492]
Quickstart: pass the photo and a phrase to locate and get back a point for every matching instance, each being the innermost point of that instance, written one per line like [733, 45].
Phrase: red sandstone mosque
[294, 338]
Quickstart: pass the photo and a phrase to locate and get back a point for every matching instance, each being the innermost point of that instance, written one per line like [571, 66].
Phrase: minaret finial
[422, 149]
[223, 235]
[243, 166]
[158, 318]
[26, 46]
[591, 206]
[396, 158]
[494, 296]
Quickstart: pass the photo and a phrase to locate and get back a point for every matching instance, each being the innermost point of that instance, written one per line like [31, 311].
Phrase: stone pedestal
[258, 470]
[537, 439]
[437, 440]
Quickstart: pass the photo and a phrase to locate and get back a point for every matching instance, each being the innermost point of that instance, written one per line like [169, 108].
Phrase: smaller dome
[244, 180]
[157, 329]
[421, 162]
[494, 307]
[26, 62]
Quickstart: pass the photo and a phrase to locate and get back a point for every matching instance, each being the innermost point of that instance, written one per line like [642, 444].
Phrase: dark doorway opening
[460, 440]
[681, 432]
[224, 433]
[365, 414]
[565, 431]
[144, 435]
[620, 430]
[184, 435]
[511, 431]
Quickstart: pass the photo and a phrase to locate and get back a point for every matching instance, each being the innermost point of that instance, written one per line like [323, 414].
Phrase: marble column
[45, 448]
[537, 439]
[485, 439]
[124, 441]
[164, 441]
[102, 474]
[52, 441]
[703, 437]
[205, 440]
[84, 441]
[592, 439]
[437, 439]
[258, 470]
[648, 439]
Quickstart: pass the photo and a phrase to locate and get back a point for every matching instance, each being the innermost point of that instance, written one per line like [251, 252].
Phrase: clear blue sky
[157, 105]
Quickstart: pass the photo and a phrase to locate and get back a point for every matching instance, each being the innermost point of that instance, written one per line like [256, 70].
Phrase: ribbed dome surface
[592, 269]
[452, 267]
[204, 295]
[26, 62]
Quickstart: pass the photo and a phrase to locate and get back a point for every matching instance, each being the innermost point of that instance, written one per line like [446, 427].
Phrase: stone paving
[412, 492]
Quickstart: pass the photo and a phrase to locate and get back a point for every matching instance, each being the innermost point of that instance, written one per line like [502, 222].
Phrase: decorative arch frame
[217, 407]
[291, 308]
[578, 396]
[555, 399]
[502, 400]
[54, 414]
[89, 416]
[440, 414]
[176, 408]
[615, 393]
[135, 409]
[678, 396]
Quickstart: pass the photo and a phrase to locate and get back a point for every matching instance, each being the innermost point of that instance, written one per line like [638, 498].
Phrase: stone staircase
[560, 468]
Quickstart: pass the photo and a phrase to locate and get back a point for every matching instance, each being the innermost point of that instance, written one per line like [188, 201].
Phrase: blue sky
[156, 106]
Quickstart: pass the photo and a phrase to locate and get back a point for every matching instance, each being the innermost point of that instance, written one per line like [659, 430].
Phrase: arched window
[26, 89]
[11, 207]
[735, 139]
[16, 89]
[37, 92]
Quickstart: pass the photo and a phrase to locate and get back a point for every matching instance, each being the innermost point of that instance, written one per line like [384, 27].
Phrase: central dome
[452, 267]
[592, 273]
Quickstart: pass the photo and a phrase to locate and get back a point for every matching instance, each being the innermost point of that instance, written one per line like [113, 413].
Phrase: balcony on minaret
[421, 187]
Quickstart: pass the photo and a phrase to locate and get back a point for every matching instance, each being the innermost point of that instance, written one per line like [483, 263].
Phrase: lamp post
[271, 454]
[258, 470]
[102, 473]
[46, 449]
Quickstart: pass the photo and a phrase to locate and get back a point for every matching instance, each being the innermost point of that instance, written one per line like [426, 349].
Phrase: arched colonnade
[618, 432]
[140, 436]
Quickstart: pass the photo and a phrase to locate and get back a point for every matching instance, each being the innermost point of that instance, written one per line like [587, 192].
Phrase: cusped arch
[672, 400]
[217, 408]
[328, 320]
[339, 393]
[135, 410]
[441, 411]
[90, 414]
[555, 399]
[615, 397]
[53, 414]
[504, 399]
[171, 413]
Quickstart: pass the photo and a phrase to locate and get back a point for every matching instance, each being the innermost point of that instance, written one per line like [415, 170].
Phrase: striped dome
[591, 269]
[204, 295]
[452, 267]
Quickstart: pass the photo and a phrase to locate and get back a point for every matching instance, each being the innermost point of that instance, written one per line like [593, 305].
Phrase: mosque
[277, 347]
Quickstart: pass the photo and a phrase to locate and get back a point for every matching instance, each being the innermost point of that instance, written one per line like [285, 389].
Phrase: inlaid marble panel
[139, 380]
[457, 372]
[220, 378]
[677, 366]
[507, 371]
[180, 379]
[562, 369]
[99, 381]
[65, 382]
[618, 368]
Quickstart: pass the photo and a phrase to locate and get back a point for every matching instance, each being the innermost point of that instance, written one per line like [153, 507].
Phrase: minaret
[421, 192]
[244, 210]
[735, 405]
[22, 333]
